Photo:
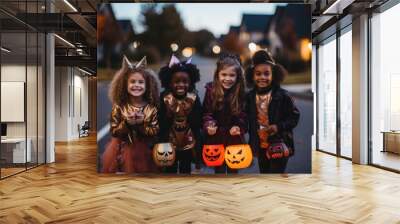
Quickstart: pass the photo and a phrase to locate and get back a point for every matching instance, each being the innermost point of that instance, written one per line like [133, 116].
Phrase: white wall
[33, 127]
[13, 73]
[61, 103]
[71, 94]
[81, 110]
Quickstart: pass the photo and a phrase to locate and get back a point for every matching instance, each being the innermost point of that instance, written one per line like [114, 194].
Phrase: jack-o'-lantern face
[213, 155]
[238, 156]
[181, 123]
[164, 154]
[277, 151]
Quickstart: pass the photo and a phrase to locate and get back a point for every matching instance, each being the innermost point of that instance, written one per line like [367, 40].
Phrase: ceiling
[328, 13]
[72, 20]
[75, 21]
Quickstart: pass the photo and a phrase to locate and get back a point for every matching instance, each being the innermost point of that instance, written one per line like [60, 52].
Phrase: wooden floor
[10, 171]
[387, 159]
[70, 191]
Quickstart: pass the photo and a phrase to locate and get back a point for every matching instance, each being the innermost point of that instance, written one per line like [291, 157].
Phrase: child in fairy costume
[134, 120]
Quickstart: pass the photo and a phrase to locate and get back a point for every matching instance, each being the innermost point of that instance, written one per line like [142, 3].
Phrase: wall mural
[182, 92]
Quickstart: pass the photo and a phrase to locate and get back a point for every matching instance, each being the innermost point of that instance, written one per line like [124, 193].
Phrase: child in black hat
[272, 113]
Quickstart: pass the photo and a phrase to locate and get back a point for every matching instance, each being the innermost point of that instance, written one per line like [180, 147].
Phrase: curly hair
[279, 73]
[118, 92]
[166, 73]
[235, 99]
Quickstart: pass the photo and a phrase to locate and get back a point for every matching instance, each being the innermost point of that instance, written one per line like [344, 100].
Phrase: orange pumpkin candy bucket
[238, 156]
[213, 155]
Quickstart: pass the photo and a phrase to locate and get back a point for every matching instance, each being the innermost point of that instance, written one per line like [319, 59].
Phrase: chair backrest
[86, 125]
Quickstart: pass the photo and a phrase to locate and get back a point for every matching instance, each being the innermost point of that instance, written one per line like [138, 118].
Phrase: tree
[202, 40]
[162, 28]
[231, 43]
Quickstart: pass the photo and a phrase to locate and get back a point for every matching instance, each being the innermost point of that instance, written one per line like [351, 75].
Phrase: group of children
[142, 117]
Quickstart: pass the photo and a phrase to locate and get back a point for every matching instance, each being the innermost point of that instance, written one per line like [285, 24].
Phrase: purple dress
[224, 119]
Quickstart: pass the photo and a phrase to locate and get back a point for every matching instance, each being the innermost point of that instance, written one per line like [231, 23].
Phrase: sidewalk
[302, 91]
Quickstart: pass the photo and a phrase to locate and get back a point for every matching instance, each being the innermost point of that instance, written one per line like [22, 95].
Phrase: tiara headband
[141, 64]
[174, 61]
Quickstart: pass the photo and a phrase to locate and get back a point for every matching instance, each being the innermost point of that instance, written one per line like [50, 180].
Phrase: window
[346, 93]
[327, 96]
[385, 89]
[22, 77]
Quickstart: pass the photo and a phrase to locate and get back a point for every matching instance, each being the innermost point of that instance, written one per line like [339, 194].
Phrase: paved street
[299, 163]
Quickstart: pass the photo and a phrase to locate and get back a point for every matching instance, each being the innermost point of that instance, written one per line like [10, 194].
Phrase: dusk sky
[216, 17]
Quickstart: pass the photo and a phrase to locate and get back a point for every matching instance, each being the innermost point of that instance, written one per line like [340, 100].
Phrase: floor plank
[70, 191]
